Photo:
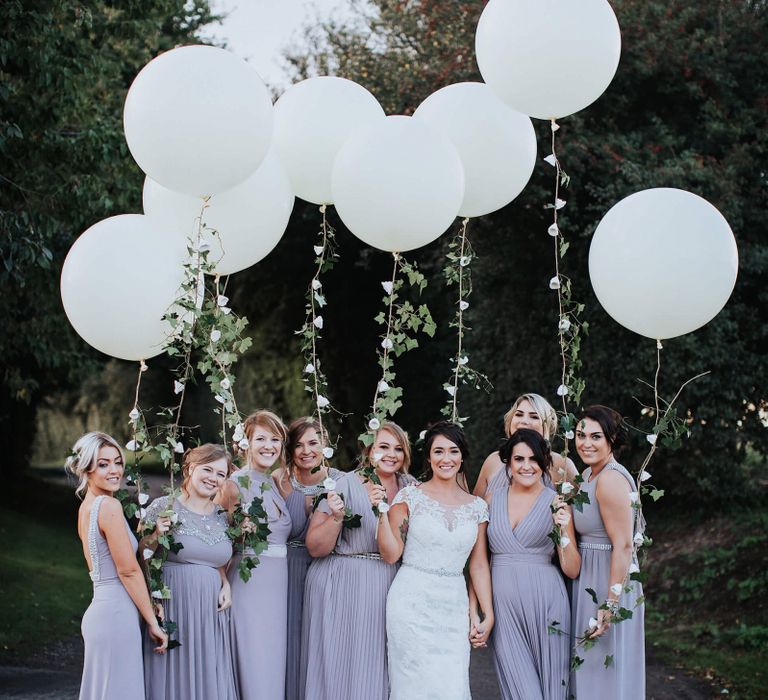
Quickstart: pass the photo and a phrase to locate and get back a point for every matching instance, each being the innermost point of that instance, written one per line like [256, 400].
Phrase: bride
[435, 526]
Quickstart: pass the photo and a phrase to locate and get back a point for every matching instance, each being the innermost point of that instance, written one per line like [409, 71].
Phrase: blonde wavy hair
[85, 453]
[543, 408]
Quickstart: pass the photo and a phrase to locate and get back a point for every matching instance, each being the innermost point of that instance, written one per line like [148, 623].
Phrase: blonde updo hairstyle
[85, 454]
[400, 435]
[543, 408]
[269, 420]
[203, 454]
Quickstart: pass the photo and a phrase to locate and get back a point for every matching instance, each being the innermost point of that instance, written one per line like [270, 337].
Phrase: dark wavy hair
[452, 432]
[611, 423]
[541, 454]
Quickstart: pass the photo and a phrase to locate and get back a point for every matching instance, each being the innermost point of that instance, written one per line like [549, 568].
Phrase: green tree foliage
[686, 109]
[64, 70]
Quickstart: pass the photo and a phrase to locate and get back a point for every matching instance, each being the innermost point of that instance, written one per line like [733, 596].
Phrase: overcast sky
[259, 30]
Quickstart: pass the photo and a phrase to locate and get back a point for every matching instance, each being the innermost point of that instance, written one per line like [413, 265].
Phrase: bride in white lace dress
[435, 526]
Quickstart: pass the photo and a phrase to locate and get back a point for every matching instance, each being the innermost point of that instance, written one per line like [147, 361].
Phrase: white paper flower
[464, 260]
[203, 247]
[174, 518]
[131, 446]
[554, 283]
[243, 443]
[134, 415]
[221, 300]
[551, 159]
[553, 230]
[374, 424]
[158, 595]
[463, 305]
[318, 322]
[329, 484]
[178, 386]
[225, 310]
[383, 507]
[564, 541]
[451, 390]
[377, 456]
[651, 437]
[592, 624]
[634, 496]
[220, 399]
[554, 126]
[422, 434]
[463, 360]
[147, 553]
[387, 287]
[215, 335]
[143, 498]
[559, 203]
[129, 479]
[327, 452]
[309, 369]
[225, 384]
[564, 324]
[238, 432]
[322, 402]
[638, 539]
[566, 487]
[569, 434]
[644, 475]
[562, 390]
[318, 249]
[179, 448]
[386, 343]
[383, 386]
[617, 588]
[142, 513]
[633, 568]
[316, 284]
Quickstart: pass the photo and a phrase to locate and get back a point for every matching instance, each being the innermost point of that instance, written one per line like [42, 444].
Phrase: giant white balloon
[663, 262]
[497, 145]
[548, 58]
[397, 183]
[249, 219]
[313, 118]
[198, 120]
[119, 278]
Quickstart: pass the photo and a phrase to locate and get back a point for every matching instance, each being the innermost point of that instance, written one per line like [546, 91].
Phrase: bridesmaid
[299, 482]
[535, 413]
[113, 667]
[343, 640]
[259, 606]
[528, 590]
[606, 527]
[196, 576]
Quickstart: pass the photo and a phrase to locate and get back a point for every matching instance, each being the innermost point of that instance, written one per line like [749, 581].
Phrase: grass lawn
[44, 583]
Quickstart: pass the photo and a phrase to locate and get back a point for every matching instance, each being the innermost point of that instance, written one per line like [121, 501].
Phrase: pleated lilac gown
[298, 564]
[528, 595]
[343, 640]
[260, 605]
[201, 667]
[624, 678]
[113, 668]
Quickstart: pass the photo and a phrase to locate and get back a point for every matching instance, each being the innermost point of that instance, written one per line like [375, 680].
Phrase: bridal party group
[374, 584]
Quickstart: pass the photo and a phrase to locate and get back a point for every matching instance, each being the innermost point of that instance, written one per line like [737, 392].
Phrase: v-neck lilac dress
[113, 668]
[201, 667]
[260, 605]
[528, 595]
[624, 677]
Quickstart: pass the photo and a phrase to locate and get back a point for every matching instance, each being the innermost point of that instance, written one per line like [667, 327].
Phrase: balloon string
[315, 278]
[386, 345]
[460, 323]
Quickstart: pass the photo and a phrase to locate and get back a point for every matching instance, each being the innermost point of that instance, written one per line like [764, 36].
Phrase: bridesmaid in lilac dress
[343, 640]
[259, 606]
[113, 667]
[614, 669]
[300, 481]
[201, 667]
[528, 591]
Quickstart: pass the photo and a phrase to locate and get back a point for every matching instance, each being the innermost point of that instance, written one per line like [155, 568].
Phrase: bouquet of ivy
[248, 531]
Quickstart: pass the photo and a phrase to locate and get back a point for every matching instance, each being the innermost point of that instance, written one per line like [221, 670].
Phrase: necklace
[307, 490]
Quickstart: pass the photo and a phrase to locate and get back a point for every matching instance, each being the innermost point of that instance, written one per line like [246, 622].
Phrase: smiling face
[264, 449]
[524, 467]
[591, 444]
[205, 480]
[106, 476]
[308, 451]
[526, 416]
[444, 458]
[387, 453]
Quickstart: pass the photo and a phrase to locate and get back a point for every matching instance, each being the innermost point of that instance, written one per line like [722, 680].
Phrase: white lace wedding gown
[427, 605]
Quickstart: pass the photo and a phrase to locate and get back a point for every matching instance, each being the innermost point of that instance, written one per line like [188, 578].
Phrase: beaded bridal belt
[595, 545]
[436, 572]
[373, 556]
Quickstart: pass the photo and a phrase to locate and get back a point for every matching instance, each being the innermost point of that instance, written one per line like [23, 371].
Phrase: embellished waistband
[296, 544]
[595, 545]
[278, 551]
[505, 559]
[372, 556]
[434, 572]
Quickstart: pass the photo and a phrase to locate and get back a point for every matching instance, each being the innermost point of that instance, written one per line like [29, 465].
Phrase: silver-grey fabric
[201, 667]
[528, 595]
[113, 668]
[259, 606]
[624, 678]
[343, 640]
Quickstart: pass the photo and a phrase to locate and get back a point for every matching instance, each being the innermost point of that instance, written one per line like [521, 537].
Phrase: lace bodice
[440, 537]
[211, 529]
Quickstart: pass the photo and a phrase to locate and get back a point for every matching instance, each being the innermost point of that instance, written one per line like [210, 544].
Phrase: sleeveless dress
[201, 667]
[427, 605]
[528, 595]
[259, 606]
[298, 565]
[343, 636]
[624, 679]
[113, 668]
